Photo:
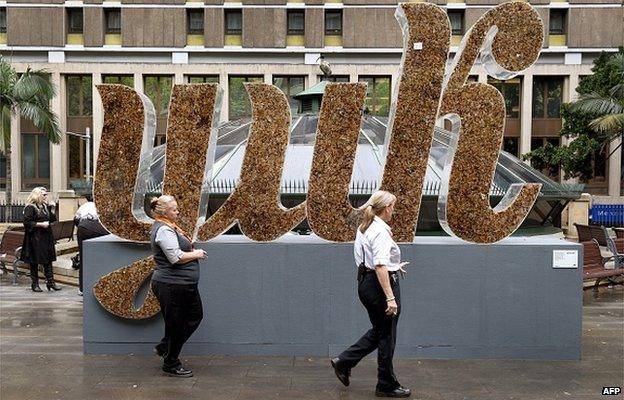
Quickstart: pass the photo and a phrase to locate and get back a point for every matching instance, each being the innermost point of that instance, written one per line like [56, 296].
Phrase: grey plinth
[298, 296]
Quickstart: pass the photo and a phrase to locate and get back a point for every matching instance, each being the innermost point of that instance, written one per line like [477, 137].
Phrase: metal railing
[12, 213]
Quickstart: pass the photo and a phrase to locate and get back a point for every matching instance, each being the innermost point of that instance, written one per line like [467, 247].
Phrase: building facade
[152, 44]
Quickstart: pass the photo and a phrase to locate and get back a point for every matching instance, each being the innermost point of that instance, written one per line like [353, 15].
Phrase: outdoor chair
[618, 256]
[599, 233]
[10, 250]
[594, 265]
[63, 230]
[583, 232]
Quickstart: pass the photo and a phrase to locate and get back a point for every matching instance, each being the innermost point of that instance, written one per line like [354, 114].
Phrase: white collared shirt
[378, 246]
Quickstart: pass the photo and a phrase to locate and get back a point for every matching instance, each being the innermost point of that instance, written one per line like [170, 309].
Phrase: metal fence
[609, 215]
[12, 213]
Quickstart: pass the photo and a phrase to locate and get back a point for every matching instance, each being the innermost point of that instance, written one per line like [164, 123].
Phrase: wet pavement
[41, 358]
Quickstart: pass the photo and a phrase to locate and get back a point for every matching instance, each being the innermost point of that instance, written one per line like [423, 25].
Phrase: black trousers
[182, 311]
[382, 336]
[47, 272]
[87, 230]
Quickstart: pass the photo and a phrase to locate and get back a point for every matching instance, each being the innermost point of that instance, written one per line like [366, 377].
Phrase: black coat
[38, 247]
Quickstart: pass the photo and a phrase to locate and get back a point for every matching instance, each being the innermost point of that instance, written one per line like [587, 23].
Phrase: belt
[362, 270]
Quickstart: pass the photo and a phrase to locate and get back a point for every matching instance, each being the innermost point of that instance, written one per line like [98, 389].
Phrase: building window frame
[506, 88]
[559, 16]
[84, 104]
[333, 22]
[334, 78]
[372, 103]
[246, 112]
[233, 22]
[288, 88]
[457, 20]
[293, 17]
[193, 79]
[75, 20]
[195, 21]
[112, 19]
[544, 84]
[3, 20]
[38, 178]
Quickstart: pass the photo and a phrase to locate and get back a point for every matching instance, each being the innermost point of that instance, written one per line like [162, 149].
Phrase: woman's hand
[392, 309]
[43, 224]
[200, 254]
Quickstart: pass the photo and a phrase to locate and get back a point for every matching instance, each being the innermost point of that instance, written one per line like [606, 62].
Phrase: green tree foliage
[29, 94]
[592, 122]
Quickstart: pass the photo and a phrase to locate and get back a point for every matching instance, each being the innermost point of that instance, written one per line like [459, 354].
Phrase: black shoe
[50, 284]
[178, 371]
[158, 350]
[398, 392]
[341, 373]
[35, 287]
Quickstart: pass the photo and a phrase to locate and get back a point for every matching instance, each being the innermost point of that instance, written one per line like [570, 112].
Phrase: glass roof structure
[368, 166]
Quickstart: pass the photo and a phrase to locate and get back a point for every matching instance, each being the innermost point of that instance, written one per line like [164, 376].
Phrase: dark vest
[173, 273]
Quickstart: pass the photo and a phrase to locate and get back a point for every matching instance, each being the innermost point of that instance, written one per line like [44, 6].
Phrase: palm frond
[34, 87]
[608, 123]
[594, 103]
[44, 119]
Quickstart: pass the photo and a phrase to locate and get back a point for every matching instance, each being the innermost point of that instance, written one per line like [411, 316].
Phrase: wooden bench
[10, 249]
[63, 230]
[594, 264]
[584, 234]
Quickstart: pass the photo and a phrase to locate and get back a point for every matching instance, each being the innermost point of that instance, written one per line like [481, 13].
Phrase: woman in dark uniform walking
[174, 283]
[378, 258]
[38, 247]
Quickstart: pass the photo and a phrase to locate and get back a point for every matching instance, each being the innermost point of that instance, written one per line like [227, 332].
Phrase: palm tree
[29, 94]
[608, 108]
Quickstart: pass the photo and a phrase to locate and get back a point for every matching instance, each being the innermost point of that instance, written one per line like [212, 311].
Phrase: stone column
[97, 118]
[570, 95]
[16, 155]
[138, 82]
[178, 78]
[615, 168]
[225, 98]
[59, 152]
[577, 211]
[525, 114]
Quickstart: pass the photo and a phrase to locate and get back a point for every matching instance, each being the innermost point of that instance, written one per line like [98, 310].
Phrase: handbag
[75, 260]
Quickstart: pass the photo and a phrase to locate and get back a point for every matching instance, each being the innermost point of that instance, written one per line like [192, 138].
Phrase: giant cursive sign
[508, 38]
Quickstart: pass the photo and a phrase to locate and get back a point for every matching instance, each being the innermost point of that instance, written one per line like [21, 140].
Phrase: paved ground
[41, 358]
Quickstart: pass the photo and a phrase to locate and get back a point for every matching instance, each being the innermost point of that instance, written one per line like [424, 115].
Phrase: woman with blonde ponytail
[378, 258]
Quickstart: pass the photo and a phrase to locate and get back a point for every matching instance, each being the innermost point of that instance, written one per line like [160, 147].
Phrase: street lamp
[87, 138]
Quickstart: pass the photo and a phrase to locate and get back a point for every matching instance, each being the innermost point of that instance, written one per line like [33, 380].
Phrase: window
[233, 22]
[290, 85]
[295, 20]
[333, 22]
[127, 80]
[158, 89]
[203, 79]
[3, 24]
[557, 24]
[79, 95]
[195, 22]
[377, 100]
[547, 96]
[239, 104]
[457, 22]
[536, 143]
[35, 161]
[511, 145]
[510, 89]
[74, 20]
[334, 78]
[113, 21]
